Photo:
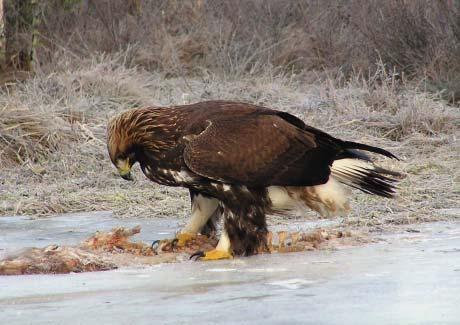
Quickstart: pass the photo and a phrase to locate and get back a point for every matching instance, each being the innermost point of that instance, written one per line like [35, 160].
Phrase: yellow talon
[184, 237]
[181, 241]
[216, 255]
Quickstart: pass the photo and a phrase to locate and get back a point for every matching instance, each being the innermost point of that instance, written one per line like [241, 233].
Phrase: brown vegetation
[382, 72]
[420, 39]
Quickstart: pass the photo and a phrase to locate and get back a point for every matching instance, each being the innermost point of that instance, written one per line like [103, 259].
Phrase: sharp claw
[198, 255]
[155, 242]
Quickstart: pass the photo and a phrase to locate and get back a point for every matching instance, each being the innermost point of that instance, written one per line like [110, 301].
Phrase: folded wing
[259, 150]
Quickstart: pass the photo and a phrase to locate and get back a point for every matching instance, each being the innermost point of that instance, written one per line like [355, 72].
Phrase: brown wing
[258, 150]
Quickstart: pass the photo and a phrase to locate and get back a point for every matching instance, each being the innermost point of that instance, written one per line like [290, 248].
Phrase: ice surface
[410, 278]
[71, 229]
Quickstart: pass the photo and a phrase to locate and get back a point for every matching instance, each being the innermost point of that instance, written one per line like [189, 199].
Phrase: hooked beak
[124, 169]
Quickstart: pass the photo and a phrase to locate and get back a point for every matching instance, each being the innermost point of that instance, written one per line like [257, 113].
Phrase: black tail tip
[365, 147]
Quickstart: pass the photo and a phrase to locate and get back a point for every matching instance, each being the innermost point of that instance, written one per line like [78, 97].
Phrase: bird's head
[127, 135]
[120, 145]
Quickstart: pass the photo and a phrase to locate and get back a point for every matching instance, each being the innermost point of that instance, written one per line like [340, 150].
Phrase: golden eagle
[243, 161]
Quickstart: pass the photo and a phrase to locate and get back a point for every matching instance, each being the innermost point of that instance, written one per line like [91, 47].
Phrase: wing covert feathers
[256, 151]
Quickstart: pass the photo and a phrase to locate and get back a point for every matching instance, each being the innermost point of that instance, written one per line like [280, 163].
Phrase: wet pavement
[412, 277]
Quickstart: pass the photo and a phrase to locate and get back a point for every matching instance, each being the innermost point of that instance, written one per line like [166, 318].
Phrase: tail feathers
[365, 147]
[353, 154]
[365, 177]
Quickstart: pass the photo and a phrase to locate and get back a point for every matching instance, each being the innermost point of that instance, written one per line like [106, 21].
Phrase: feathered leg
[242, 235]
[210, 228]
[204, 213]
[204, 216]
[247, 230]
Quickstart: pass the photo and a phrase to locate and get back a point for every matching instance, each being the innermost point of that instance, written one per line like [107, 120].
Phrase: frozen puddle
[71, 229]
[411, 278]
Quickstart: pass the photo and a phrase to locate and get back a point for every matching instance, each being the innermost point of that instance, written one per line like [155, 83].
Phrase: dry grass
[66, 168]
[45, 113]
[28, 135]
[392, 107]
[382, 72]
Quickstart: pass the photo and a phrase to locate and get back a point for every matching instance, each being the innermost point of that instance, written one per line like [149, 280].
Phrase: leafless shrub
[420, 38]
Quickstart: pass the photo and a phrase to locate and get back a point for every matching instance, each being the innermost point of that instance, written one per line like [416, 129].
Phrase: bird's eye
[121, 157]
